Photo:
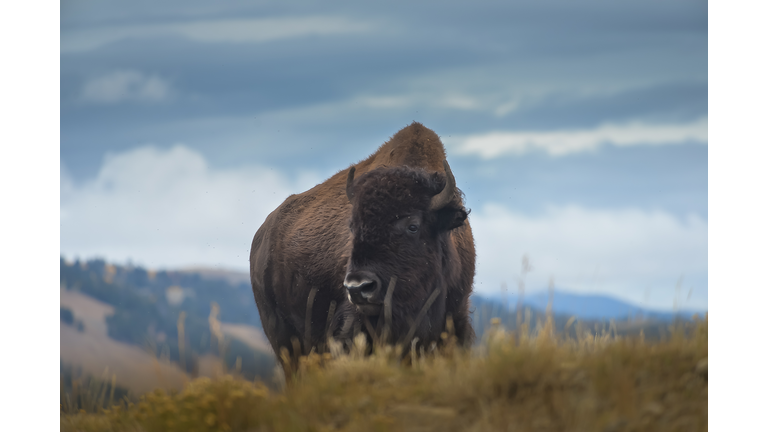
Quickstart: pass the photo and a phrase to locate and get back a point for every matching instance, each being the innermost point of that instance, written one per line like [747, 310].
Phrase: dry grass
[520, 381]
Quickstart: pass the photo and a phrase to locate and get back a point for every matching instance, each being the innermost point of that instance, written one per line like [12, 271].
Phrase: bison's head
[400, 224]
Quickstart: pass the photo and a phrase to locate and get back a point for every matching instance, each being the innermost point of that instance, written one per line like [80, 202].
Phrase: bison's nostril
[365, 288]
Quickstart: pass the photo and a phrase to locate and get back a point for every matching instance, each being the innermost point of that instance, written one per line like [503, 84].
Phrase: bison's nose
[361, 287]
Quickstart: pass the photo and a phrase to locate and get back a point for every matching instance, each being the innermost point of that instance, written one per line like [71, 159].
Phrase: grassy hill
[91, 350]
[153, 329]
[537, 380]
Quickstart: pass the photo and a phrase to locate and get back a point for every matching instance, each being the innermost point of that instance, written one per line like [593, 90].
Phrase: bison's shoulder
[306, 235]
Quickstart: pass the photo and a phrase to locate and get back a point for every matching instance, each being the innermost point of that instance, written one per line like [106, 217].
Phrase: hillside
[128, 319]
[93, 351]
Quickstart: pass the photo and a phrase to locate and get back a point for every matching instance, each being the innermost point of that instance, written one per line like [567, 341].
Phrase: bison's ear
[451, 217]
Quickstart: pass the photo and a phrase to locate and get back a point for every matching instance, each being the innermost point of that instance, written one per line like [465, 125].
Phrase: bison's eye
[413, 228]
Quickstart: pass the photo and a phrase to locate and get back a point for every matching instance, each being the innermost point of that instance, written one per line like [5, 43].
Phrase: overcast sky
[577, 130]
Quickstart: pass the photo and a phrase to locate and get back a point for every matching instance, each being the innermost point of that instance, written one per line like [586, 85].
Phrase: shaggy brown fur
[314, 238]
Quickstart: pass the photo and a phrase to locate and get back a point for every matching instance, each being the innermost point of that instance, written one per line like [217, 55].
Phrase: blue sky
[577, 130]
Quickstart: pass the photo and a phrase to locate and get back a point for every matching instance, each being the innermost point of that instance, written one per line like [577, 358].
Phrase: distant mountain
[591, 306]
[594, 314]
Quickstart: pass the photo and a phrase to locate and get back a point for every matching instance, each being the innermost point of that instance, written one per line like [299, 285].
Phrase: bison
[383, 248]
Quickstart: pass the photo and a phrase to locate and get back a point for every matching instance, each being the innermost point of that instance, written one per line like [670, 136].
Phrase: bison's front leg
[465, 333]
[462, 323]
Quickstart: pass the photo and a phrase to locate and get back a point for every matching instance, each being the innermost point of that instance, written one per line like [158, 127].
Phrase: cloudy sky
[577, 130]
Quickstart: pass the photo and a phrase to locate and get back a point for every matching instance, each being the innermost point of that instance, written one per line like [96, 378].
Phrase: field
[530, 379]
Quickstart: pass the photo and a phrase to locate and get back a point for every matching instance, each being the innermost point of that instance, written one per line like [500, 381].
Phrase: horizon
[497, 296]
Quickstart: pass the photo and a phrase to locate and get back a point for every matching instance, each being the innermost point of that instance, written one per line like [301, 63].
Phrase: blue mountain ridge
[588, 306]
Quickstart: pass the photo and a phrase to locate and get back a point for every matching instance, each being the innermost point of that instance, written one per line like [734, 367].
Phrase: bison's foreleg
[308, 321]
[465, 334]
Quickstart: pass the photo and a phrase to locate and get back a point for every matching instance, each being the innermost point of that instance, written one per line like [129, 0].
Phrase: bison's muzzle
[364, 290]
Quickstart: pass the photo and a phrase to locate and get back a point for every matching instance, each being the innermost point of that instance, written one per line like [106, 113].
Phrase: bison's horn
[350, 180]
[446, 195]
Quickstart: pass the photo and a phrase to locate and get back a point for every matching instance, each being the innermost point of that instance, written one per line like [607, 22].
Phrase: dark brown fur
[312, 239]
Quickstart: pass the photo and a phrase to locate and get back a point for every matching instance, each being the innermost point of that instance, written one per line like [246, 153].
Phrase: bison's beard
[414, 320]
[370, 309]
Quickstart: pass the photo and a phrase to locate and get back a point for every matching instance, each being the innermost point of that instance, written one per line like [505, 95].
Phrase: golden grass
[512, 382]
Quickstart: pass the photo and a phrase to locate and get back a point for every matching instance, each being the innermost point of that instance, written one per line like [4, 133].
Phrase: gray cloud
[125, 85]
[565, 142]
[232, 30]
